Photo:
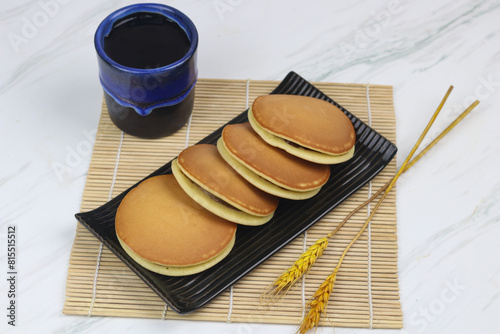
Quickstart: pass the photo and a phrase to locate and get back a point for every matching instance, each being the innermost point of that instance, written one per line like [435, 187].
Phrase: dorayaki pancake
[165, 231]
[210, 181]
[307, 127]
[272, 169]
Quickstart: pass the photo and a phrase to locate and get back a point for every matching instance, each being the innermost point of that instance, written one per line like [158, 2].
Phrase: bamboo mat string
[230, 308]
[110, 195]
[231, 294]
[94, 289]
[188, 128]
[163, 317]
[247, 93]
[304, 248]
[368, 209]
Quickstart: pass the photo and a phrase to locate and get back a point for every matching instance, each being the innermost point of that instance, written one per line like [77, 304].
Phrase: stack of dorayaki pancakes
[184, 223]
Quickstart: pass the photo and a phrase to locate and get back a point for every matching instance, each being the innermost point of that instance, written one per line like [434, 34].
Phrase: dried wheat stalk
[319, 301]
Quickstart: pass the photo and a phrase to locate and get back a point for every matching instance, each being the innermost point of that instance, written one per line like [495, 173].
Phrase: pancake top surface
[162, 224]
[245, 144]
[307, 121]
[204, 164]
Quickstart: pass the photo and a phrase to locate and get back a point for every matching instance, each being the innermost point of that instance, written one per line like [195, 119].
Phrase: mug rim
[182, 20]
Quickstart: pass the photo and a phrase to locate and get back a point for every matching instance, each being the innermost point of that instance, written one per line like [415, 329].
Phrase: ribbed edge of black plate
[186, 294]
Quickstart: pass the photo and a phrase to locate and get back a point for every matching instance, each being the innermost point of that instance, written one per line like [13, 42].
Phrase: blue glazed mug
[147, 101]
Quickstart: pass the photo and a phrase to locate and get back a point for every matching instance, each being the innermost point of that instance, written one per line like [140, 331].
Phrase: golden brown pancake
[210, 181]
[164, 230]
[272, 164]
[304, 126]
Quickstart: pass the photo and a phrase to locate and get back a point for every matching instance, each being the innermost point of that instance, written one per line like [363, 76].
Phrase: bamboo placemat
[366, 292]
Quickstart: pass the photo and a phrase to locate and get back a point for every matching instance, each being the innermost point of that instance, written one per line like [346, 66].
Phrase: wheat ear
[304, 263]
[318, 303]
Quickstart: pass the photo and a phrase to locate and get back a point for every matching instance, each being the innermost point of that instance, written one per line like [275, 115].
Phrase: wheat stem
[304, 263]
[318, 303]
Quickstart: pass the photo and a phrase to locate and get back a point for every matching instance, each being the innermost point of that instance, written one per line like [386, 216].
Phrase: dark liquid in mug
[146, 40]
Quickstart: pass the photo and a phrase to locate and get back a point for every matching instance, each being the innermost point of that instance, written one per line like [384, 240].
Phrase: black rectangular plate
[254, 244]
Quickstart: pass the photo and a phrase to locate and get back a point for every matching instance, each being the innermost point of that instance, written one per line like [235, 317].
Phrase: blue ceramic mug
[147, 68]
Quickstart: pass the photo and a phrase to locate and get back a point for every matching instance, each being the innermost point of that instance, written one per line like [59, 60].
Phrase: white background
[448, 204]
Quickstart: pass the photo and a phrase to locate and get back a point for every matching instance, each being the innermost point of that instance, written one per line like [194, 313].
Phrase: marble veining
[448, 203]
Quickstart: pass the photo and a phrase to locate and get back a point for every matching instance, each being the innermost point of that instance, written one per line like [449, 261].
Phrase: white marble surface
[449, 264]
